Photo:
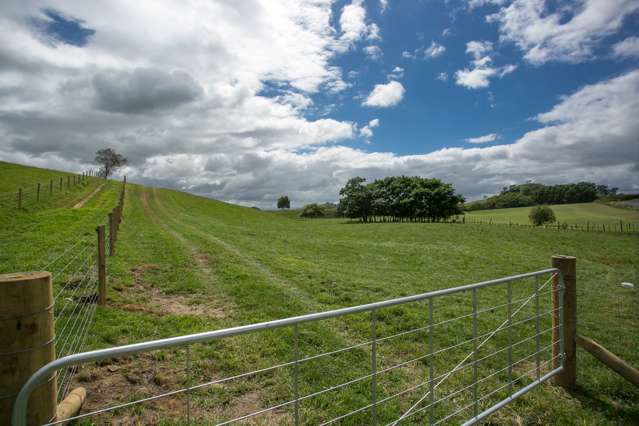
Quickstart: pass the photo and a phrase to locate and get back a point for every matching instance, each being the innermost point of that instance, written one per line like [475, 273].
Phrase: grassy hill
[579, 214]
[187, 264]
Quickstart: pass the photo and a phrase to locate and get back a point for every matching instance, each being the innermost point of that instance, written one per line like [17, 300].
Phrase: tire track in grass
[203, 271]
[247, 261]
[83, 201]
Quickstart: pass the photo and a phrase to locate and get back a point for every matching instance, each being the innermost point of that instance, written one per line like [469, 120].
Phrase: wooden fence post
[68, 181]
[111, 234]
[38, 193]
[102, 290]
[50, 187]
[567, 320]
[26, 342]
[19, 198]
[61, 184]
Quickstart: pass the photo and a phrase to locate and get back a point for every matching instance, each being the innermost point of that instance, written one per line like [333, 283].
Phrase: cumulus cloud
[385, 95]
[367, 130]
[143, 90]
[628, 48]
[373, 52]
[569, 34]
[383, 5]
[397, 73]
[435, 50]
[482, 69]
[492, 137]
[354, 27]
[442, 76]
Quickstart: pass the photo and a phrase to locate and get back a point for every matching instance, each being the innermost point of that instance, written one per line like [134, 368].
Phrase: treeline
[399, 198]
[531, 194]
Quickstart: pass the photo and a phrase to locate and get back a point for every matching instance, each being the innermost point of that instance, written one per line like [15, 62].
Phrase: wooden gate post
[26, 342]
[50, 187]
[38, 193]
[567, 320]
[102, 290]
[19, 198]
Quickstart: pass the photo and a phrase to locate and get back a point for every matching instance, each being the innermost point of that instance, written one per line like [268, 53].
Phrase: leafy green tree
[540, 215]
[355, 200]
[283, 202]
[109, 160]
[313, 210]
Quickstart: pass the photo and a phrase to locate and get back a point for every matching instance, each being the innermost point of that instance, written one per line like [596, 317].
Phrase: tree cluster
[399, 198]
[530, 194]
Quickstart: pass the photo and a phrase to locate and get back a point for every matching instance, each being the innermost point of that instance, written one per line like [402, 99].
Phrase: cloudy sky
[247, 100]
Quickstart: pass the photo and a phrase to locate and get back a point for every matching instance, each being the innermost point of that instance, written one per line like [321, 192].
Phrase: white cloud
[367, 130]
[408, 55]
[478, 49]
[385, 95]
[435, 50]
[354, 28]
[628, 48]
[482, 70]
[492, 137]
[472, 4]
[397, 73]
[568, 34]
[442, 76]
[373, 52]
[383, 5]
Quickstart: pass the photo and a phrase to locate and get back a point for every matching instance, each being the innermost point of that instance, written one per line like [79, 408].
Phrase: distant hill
[531, 194]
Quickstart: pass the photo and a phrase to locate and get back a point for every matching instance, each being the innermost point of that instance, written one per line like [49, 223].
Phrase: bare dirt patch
[159, 303]
[120, 381]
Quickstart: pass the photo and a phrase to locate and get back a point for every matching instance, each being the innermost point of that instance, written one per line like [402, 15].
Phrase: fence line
[36, 192]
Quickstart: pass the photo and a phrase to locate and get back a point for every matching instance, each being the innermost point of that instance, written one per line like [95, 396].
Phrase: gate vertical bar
[188, 384]
[475, 357]
[296, 372]
[537, 330]
[510, 338]
[431, 377]
[373, 367]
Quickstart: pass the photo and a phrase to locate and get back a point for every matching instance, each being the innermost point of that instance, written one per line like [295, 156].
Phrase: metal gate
[454, 356]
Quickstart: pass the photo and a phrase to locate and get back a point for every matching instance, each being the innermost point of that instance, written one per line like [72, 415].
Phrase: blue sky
[246, 101]
[435, 114]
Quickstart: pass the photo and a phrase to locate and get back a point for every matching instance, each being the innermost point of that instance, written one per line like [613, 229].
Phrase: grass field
[187, 264]
[578, 214]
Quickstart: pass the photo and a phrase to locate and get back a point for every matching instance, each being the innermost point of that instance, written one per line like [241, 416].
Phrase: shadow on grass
[609, 407]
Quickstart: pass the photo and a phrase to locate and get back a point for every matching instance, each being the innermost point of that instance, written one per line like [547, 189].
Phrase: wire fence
[618, 227]
[444, 357]
[29, 195]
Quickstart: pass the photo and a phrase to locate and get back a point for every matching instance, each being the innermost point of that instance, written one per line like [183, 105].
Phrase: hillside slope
[187, 264]
[581, 214]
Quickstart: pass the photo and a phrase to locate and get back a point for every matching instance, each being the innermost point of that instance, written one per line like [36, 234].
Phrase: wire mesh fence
[444, 357]
[31, 194]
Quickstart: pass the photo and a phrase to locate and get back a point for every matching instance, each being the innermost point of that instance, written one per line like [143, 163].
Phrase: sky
[248, 100]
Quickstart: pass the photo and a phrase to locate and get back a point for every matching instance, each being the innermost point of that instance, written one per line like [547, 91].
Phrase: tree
[355, 199]
[313, 210]
[110, 161]
[540, 215]
[283, 202]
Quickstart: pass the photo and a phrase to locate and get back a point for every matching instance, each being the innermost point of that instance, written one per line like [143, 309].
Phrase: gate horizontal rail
[48, 371]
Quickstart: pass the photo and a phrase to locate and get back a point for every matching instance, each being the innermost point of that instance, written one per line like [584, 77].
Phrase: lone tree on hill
[110, 161]
[283, 202]
[541, 215]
